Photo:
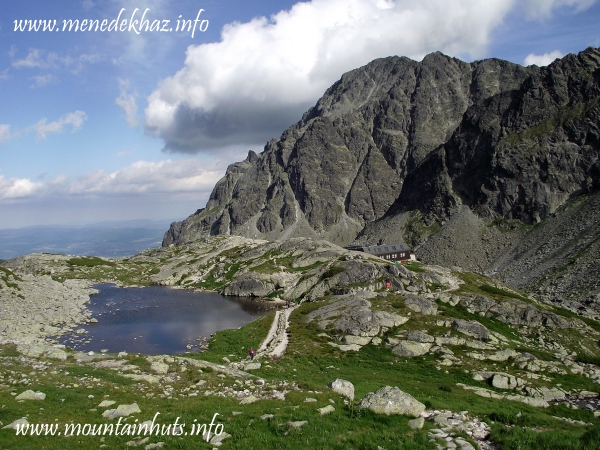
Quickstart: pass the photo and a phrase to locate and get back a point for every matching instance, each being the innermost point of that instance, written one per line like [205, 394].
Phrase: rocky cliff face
[405, 150]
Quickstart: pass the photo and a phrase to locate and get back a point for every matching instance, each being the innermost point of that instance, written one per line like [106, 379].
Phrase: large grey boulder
[342, 387]
[411, 348]
[391, 400]
[471, 328]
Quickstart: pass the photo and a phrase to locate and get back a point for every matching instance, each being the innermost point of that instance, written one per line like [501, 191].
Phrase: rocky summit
[487, 165]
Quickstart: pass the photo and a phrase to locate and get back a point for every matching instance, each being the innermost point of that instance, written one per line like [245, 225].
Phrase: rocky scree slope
[401, 150]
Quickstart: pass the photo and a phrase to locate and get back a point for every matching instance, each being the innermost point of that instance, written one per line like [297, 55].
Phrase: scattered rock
[249, 399]
[159, 367]
[416, 424]
[31, 395]
[121, 411]
[411, 348]
[218, 439]
[142, 377]
[420, 336]
[252, 366]
[391, 400]
[471, 328]
[106, 403]
[342, 387]
[326, 410]
[19, 422]
[421, 305]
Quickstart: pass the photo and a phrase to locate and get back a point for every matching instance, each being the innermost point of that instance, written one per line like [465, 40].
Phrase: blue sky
[140, 123]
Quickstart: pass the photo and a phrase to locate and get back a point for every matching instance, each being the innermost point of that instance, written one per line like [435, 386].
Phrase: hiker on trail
[251, 354]
[287, 303]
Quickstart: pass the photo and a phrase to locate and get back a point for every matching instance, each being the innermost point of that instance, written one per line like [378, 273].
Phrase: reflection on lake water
[159, 320]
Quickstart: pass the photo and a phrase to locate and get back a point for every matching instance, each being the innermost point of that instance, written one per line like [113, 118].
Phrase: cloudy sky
[119, 109]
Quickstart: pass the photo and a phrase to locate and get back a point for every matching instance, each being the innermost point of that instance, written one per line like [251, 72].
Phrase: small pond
[160, 320]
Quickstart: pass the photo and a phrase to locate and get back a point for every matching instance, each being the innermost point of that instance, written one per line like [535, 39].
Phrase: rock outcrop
[391, 400]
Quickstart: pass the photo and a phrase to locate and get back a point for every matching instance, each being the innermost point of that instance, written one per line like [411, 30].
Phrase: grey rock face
[398, 134]
[249, 285]
[391, 400]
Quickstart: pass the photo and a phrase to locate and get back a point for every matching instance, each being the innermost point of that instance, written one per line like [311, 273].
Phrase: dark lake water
[159, 320]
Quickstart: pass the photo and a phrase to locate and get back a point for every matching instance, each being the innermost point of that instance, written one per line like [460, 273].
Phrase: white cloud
[127, 102]
[269, 70]
[264, 73]
[40, 59]
[42, 128]
[187, 175]
[542, 9]
[43, 80]
[5, 133]
[14, 188]
[37, 58]
[140, 178]
[542, 60]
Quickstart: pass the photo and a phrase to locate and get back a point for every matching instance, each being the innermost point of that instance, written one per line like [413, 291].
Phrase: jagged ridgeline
[399, 135]
[461, 160]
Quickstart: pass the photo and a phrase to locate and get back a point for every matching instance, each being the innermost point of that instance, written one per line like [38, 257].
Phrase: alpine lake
[159, 320]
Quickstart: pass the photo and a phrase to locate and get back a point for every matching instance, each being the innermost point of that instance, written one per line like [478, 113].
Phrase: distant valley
[108, 239]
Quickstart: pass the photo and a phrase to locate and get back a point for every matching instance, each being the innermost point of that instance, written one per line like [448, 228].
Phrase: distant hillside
[109, 239]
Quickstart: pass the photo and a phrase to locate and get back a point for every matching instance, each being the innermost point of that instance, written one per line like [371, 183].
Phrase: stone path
[276, 341]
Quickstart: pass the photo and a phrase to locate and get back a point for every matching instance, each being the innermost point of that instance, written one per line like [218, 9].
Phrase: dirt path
[276, 341]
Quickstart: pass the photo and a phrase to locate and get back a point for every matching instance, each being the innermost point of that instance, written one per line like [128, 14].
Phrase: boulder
[121, 411]
[416, 424]
[342, 387]
[503, 355]
[411, 348]
[252, 366]
[420, 336]
[391, 400]
[326, 410]
[106, 403]
[421, 305]
[505, 381]
[30, 395]
[16, 424]
[471, 328]
[358, 340]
